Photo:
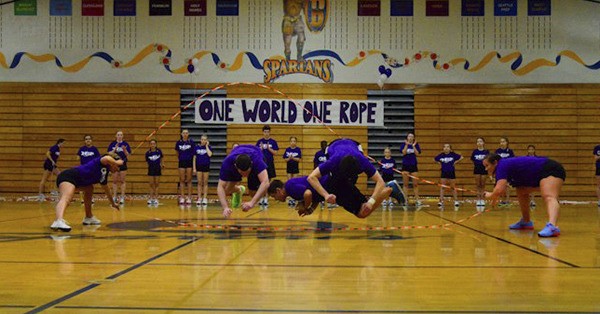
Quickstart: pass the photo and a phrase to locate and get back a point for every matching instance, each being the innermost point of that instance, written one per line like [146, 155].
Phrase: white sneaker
[532, 204]
[188, 201]
[149, 202]
[60, 224]
[91, 221]
[199, 202]
[456, 204]
[54, 193]
[204, 202]
[155, 201]
[42, 197]
[384, 203]
[418, 203]
[122, 200]
[181, 201]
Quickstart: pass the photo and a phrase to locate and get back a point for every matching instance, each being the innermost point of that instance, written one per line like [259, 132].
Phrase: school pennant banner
[287, 112]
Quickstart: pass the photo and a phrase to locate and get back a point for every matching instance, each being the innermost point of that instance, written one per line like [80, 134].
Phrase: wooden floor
[169, 260]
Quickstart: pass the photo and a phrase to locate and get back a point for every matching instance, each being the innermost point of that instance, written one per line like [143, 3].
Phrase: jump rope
[250, 228]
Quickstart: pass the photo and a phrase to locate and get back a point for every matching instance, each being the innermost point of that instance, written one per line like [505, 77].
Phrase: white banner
[303, 112]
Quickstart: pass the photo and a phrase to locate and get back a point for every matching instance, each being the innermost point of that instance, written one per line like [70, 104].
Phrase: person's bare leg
[550, 190]
[365, 211]
[67, 190]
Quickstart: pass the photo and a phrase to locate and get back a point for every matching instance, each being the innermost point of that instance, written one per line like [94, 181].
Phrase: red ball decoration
[446, 66]
[159, 47]
[362, 54]
[418, 56]
[117, 64]
[433, 56]
[165, 61]
[406, 61]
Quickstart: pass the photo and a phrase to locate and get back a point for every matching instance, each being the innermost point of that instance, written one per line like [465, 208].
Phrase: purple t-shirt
[92, 172]
[477, 156]
[337, 151]
[505, 153]
[87, 153]
[185, 149]
[597, 153]
[320, 158]
[521, 171]
[264, 144]
[386, 166]
[120, 149]
[410, 158]
[292, 152]
[153, 158]
[447, 160]
[228, 170]
[202, 158]
[295, 188]
[54, 152]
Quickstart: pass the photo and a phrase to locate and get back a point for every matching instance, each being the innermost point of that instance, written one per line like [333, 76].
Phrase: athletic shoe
[384, 203]
[181, 201]
[440, 204]
[60, 224]
[397, 192]
[456, 204]
[503, 204]
[122, 200]
[54, 193]
[532, 204]
[549, 231]
[199, 202]
[91, 221]
[236, 198]
[188, 201]
[204, 202]
[149, 202]
[42, 197]
[418, 203]
[520, 225]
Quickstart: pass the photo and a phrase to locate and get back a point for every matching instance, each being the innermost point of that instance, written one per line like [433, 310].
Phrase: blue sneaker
[549, 231]
[397, 192]
[520, 225]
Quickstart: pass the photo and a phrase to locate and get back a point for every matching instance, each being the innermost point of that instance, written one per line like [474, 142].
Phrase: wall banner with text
[277, 111]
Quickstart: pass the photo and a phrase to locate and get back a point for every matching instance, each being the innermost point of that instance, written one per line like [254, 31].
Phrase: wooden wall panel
[561, 120]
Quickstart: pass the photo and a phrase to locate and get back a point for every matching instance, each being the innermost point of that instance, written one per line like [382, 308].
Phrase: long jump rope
[235, 227]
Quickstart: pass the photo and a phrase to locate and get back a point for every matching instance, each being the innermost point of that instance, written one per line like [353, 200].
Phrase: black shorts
[387, 177]
[479, 169]
[347, 194]
[253, 181]
[154, 171]
[186, 164]
[292, 168]
[554, 169]
[49, 166]
[271, 170]
[123, 167]
[598, 171]
[448, 175]
[202, 168]
[410, 168]
[69, 175]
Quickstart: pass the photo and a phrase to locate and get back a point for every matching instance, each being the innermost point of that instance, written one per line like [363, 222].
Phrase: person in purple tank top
[242, 161]
[83, 178]
[50, 166]
[300, 190]
[320, 156]
[202, 154]
[528, 174]
[86, 153]
[123, 150]
[410, 149]
[345, 163]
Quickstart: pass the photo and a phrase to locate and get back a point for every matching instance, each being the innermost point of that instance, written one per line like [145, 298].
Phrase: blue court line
[201, 309]
[94, 285]
[508, 241]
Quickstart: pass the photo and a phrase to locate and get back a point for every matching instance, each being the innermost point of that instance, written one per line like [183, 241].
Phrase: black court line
[202, 309]
[123, 272]
[507, 241]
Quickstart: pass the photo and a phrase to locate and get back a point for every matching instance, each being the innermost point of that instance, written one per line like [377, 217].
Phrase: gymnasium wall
[561, 120]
